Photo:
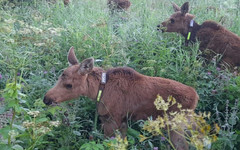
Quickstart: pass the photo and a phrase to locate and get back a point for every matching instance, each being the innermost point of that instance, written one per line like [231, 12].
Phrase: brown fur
[66, 2]
[210, 34]
[127, 94]
[118, 5]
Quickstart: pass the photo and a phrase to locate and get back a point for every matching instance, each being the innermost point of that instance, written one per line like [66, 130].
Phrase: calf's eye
[172, 20]
[68, 86]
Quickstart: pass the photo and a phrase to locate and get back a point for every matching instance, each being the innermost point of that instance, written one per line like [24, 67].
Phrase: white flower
[10, 40]
[10, 21]
[55, 31]
[43, 130]
[46, 23]
[13, 134]
[27, 124]
[21, 22]
[25, 31]
[207, 142]
[33, 113]
[36, 30]
[39, 44]
[54, 123]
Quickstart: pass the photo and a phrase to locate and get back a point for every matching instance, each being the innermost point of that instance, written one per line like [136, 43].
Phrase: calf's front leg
[178, 140]
[110, 127]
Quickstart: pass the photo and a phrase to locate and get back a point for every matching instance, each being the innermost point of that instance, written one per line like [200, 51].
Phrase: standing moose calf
[211, 35]
[126, 93]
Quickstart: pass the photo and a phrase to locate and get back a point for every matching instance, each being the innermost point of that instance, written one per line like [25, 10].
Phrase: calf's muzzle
[158, 27]
[161, 27]
[47, 101]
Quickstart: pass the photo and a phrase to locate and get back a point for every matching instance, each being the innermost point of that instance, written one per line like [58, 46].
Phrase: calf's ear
[72, 59]
[86, 66]
[185, 8]
[176, 7]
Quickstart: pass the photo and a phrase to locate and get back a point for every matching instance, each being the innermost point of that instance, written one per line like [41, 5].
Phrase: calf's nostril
[159, 27]
[47, 101]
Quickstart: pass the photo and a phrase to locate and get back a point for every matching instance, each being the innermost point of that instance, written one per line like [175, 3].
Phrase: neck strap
[190, 30]
[189, 34]
[99, 95]
[102, 86]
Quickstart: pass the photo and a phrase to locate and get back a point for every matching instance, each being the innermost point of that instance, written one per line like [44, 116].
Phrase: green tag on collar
[189, 35]
[99, 95]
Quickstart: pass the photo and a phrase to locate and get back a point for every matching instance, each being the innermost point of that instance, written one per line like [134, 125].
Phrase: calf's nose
[161, 27]
[158, 27]
[47, 101]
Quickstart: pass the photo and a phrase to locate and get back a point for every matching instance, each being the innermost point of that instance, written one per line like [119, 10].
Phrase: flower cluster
[45, 29]
[194, 126]
[27, 124]
[13, 134]
[164, 105]
[43, 130]
[55, 31]
[33, 113]
[54, 123]
[118, 143]
[39, 44]
[155, 126]
[38, 128]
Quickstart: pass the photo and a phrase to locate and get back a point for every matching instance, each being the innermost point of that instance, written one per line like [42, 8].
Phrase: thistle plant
[227, 121]
[193, 127]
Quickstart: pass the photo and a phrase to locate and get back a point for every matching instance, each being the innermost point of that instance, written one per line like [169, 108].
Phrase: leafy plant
[117, 143]
[92, 146]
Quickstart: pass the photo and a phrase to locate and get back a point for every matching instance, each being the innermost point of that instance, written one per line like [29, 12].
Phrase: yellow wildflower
[161, 104]
[214, 137]
[217, 128]
[142, 138]
[179, 105]
[186, 118]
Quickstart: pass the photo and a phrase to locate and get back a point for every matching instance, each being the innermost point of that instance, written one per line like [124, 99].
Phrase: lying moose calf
[125, 93]
[116, 5]
[211, 35]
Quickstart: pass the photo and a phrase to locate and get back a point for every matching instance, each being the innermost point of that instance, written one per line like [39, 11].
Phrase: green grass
[36, 35]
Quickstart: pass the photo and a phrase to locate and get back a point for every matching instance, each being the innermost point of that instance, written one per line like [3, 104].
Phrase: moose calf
[124, 93]
[118, 5]
[66, 2]
[211, 35]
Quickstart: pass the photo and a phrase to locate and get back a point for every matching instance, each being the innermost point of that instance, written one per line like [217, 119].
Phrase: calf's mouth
[161, 28]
